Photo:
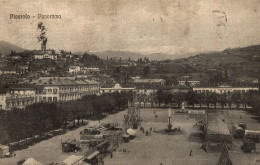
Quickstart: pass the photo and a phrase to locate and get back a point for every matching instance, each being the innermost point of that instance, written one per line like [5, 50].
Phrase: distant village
[56, 76]
[49, 75]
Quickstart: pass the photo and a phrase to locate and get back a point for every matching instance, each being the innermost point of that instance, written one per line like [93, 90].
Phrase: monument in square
[170, 130]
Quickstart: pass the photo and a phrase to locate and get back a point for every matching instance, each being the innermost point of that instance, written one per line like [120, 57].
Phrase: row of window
[78, 88]
[54, 91]
[49, 99]
[221, 91]
[19, 103]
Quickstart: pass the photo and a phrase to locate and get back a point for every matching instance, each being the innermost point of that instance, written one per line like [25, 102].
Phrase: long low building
[224, 89]
[116, 88]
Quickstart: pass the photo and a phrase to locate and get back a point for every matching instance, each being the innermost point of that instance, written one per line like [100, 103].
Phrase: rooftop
[149, 80]
[60, 81]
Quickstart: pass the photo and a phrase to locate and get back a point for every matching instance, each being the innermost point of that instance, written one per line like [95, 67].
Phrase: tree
[160, 96]
[229, 101]
[192, 98]
[142, 97]
[236, 98]
[222, 99]
[201, 98]
[213, 99]
[167, 98]
[247, 97]
[178, 98]
[255, 103]
[153, 98]
[146, 71]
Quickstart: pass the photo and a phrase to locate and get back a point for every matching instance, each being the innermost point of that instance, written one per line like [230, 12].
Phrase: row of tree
[255, 103]
[192, 98]
[41, 118]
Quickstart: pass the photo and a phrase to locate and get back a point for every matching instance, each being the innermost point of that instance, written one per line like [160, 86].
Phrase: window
[55, 91]
[44, 91]
[49, 99]
[49, 90]
[44, 99]
[55, 99]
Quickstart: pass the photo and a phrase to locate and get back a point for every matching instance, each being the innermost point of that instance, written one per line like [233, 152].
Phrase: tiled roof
[60, 81]
[149, 80]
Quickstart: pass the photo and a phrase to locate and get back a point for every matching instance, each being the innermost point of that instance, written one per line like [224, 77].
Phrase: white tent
[31, 161]
[131, 132]
[74, 159]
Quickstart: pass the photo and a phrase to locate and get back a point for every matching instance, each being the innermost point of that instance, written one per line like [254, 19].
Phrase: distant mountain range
[134, 55]
[6, 48]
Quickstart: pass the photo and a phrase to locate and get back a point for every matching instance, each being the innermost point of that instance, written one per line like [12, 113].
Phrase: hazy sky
[148, 26]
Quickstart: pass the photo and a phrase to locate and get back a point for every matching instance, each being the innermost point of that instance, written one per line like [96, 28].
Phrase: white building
[2, 100]
[45, 56]
[116, 88]
[17, 97]
[74, 69]
[89, 70]
[8, 70]
[224, 89]
[188, 83]
[54, 89]
[150, 81]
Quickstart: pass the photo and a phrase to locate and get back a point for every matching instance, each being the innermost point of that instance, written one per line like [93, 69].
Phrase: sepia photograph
[129, 82]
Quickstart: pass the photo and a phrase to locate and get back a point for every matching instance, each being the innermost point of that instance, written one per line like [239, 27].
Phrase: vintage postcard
[129, 82]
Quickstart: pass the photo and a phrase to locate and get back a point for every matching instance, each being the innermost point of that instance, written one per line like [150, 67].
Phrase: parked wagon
[248, 146]
[29, 141]
[69, 145]
[126, 138]
[13, 146]
[22, 144]
[252, 135]
[238, 132]
[242, 125]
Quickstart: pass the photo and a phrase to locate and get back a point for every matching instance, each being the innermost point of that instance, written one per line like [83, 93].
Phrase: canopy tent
[93, 155]
[73, 159]
[31, 161]
[131, 132]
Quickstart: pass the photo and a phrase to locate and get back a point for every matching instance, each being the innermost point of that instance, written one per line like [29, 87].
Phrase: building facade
[189, 83]
[17, 97]
[59, 89]
[116, 88]
[224, 89]
[47, 89]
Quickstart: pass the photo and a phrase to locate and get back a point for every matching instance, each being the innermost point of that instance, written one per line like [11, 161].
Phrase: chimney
[43, 47]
